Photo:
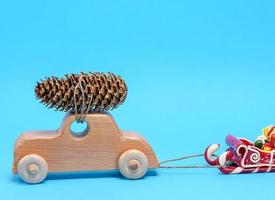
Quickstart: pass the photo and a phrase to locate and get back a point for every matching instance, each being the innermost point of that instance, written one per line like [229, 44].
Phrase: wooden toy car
[102, 146]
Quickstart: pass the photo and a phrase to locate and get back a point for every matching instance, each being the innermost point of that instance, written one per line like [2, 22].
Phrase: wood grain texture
[99, 149]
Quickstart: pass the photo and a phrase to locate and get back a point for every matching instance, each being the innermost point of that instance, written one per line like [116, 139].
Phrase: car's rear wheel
[133, 164]
[32, 169]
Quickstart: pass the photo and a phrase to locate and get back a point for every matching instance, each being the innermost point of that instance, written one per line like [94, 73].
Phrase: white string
[80, 118]
[186, 166]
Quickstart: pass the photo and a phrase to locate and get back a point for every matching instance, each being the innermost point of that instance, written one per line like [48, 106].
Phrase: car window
[79, 129]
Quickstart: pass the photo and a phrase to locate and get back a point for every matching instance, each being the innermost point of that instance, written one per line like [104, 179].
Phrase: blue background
[196, 71]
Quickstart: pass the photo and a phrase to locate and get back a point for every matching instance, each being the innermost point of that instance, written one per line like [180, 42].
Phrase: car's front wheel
[32, 169]
[133, 164]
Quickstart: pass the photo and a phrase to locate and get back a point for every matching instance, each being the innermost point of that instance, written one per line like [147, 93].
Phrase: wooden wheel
[133, 164]
[32, 169]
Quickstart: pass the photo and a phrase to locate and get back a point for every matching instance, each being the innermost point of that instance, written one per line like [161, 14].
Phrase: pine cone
[85, 92]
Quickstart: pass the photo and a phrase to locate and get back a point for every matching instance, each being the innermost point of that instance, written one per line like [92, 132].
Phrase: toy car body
[241, 157]
[103, 147]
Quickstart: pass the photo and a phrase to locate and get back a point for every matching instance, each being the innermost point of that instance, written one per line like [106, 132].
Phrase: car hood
[31, 135]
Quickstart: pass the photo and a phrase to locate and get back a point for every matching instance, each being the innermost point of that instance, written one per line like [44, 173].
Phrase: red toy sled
[241, 157]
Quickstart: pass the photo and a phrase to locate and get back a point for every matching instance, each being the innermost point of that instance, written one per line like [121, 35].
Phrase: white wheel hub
[32, 170]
